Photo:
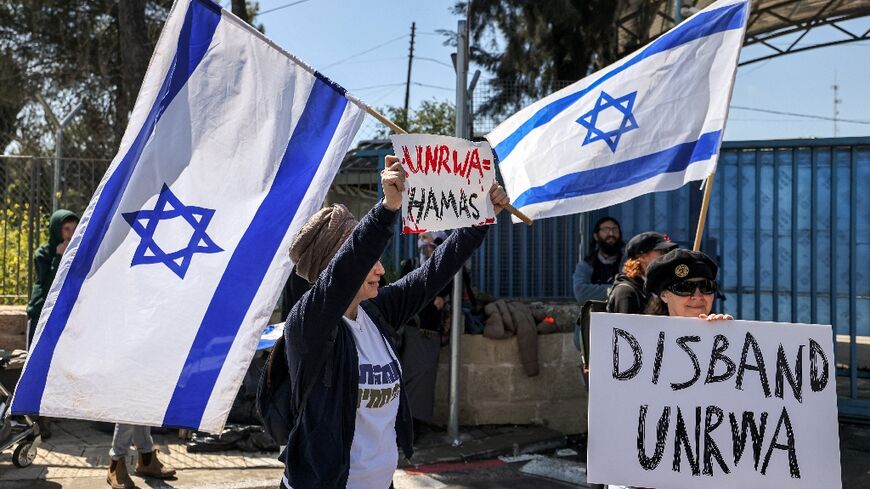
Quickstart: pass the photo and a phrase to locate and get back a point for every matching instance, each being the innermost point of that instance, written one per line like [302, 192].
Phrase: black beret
[649, 241]
[676, 266]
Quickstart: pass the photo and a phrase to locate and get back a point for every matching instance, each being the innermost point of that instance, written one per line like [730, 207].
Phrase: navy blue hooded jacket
[318, 450]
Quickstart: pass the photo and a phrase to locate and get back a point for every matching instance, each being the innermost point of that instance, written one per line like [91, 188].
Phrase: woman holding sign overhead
[683, 283]
[351, 412]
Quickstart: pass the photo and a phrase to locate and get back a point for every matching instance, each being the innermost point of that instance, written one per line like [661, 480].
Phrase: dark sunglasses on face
[687, 287]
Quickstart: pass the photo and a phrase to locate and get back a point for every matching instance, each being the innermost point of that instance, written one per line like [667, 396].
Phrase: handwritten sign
[448, 182]
[681, 403]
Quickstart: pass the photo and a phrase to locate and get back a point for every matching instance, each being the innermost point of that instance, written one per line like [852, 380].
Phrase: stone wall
[495, 390]
[13, 328]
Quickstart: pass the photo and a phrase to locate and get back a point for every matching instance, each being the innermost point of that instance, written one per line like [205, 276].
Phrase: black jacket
[46, 261]
[318, 450]
[603, 273]
[627, 295]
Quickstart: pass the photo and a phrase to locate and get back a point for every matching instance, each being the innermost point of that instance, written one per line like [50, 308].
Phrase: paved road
[187, 479]
[486, 474]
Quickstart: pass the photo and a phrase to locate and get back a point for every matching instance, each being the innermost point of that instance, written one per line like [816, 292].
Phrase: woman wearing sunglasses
[683, 283]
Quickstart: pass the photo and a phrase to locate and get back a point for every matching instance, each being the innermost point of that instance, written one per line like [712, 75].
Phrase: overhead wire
[281, 7]
[365, 51]
[795, 114]
[377, 60]
[432, 86]
[434, 61]
[371, 87]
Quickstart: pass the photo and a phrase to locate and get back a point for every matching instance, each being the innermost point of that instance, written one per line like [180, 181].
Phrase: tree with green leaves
[93, 52]
[530, 47]
[431, 117]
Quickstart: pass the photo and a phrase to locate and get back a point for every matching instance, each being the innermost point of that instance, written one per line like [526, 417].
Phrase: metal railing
[26, 203]
[789, 224]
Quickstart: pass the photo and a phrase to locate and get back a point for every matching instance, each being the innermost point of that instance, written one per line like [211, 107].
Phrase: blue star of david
[145, 221]
[623, 104]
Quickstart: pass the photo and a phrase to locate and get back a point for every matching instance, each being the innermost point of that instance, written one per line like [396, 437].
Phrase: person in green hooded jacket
[46, 260]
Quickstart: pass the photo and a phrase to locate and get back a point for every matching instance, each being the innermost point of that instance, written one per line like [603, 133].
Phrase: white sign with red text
[448, 182]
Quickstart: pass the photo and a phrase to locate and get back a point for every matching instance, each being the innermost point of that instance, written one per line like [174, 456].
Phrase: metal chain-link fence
[26, 184]
[487, 93]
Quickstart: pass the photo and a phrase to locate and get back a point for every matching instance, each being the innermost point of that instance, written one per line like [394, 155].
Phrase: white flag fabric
[182, 253]
[650, 122]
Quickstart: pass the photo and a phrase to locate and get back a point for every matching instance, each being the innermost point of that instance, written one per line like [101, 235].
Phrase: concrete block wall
[496, 390]
[13, 328]
[862, 349]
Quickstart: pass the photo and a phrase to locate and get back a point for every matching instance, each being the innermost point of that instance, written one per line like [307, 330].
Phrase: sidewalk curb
[189, 479]
[528, 440]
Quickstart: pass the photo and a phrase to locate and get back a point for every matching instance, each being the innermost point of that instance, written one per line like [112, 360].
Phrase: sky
[363, 45]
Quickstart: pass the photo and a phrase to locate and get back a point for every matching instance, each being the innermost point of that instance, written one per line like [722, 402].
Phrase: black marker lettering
[758, 367]
[660, 350]
[720, 344]
[818, 381]
[793, 467]
[783, 370]
[681, 342]
[632, 371]
[650, 463]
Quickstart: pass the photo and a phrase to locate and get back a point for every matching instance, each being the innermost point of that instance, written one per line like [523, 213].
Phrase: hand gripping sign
[448, 182]
[683, 403]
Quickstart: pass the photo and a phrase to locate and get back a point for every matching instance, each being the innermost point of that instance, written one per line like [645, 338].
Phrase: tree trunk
[135, 53]
[240, 9]
[12, 99]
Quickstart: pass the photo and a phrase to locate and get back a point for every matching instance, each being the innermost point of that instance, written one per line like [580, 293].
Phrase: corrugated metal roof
[643, 20]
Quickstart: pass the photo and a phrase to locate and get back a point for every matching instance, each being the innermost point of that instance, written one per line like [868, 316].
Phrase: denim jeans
[125, 435]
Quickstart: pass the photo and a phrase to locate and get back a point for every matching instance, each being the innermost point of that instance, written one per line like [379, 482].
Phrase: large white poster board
[448, 182]
[680, 403]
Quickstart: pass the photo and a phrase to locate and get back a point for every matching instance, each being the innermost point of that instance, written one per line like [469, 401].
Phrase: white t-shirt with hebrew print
[374, 454]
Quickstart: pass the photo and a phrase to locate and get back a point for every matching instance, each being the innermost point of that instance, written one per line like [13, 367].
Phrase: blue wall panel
[789, 223]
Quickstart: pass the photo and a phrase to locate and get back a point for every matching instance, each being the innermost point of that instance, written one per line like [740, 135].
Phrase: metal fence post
[58, 155]
[32, 216]
[456, 323]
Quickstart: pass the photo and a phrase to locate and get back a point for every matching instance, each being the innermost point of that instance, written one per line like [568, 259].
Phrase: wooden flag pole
[392, 125]
[398, 130]
[702, 218]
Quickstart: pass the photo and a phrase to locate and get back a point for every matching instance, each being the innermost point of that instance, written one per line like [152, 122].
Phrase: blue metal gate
[789, 224]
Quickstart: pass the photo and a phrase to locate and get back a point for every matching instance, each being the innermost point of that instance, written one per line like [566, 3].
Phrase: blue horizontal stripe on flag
[199, 26]
[253, 255]
[705, 24]
[619, 175]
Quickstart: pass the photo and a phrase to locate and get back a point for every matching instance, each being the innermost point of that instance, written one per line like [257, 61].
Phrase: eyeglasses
[688, 287]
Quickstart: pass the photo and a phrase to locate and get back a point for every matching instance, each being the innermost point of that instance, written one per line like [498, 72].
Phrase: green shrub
[15, 245]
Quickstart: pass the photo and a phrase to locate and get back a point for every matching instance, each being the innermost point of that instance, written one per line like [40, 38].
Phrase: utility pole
[457, 327]
[408, 81]
[837, 101]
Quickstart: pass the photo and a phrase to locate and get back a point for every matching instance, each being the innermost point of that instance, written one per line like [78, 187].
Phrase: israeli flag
[651, 122]
[182, 253]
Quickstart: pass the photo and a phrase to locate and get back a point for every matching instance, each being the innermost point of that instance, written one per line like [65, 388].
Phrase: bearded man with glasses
[594, 274]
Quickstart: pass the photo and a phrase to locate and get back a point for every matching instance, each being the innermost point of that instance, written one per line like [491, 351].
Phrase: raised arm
[315, 318]
[404, 298]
